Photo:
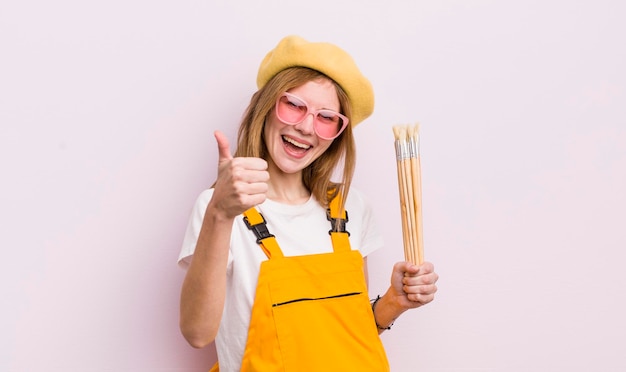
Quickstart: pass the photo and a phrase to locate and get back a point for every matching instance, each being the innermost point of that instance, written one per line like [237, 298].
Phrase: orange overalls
[311, 313]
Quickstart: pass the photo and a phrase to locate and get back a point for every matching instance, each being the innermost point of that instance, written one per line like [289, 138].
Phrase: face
[293, 147]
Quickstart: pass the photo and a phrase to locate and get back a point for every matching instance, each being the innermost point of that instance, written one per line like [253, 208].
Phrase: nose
[307, 125]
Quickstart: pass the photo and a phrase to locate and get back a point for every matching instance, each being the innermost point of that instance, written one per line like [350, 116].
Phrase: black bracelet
[374, 301]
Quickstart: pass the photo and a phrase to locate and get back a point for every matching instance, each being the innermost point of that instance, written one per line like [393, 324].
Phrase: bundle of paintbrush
[410, 187]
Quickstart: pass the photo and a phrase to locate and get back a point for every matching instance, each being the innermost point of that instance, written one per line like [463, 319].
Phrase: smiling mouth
[294, 143]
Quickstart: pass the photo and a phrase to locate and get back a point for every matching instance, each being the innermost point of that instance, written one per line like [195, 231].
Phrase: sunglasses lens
[328, 124]
[291, 110]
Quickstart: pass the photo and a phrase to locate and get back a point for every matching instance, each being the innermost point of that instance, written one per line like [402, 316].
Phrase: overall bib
[311, 313]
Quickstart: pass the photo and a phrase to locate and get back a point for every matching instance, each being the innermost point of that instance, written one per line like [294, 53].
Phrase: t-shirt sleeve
[371, 237]
[193, 228]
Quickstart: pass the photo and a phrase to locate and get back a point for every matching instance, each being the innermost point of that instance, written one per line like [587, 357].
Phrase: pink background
[106, 117]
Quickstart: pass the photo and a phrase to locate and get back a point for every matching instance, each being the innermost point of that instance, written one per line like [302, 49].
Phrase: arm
[241, 184]
[411, 286]
[204, 287]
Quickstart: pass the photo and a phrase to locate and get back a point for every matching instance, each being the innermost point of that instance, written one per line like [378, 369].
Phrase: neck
[287, 188]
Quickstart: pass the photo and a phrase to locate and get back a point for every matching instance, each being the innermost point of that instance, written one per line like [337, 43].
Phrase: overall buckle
[338, 224]
[260, 229]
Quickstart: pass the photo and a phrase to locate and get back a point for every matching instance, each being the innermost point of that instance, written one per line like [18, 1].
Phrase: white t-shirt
[299, 230]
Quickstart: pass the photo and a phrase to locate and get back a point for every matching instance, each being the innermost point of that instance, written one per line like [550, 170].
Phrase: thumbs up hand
[241, 182]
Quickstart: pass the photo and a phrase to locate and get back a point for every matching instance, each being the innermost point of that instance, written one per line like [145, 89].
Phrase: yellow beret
[328, 59]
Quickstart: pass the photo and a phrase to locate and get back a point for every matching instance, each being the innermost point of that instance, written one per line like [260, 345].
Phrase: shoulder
[359, 208]
[357, 201]
[362, 222]
[202, 201]
[205, 197]
[194, 225]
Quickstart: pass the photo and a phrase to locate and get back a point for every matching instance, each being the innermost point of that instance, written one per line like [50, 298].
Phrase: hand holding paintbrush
[413, 281]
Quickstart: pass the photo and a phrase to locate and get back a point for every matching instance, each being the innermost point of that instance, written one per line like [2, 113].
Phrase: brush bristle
[396, 132]
[405, 132]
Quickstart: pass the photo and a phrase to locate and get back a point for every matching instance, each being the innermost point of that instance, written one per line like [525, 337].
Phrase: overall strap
[338, 234]
[338, 218]
[256, 223]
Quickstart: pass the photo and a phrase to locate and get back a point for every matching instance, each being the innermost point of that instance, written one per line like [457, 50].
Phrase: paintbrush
[410, 189]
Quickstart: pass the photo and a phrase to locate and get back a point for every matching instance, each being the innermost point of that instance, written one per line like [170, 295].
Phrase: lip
[290, 150]
[298, 140]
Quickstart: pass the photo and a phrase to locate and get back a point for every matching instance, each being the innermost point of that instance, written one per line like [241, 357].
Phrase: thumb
[405, 268]
[223, 146]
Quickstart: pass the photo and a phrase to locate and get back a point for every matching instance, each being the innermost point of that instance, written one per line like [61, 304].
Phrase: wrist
[394, 302]
[386, 310]
[374, 302]
[217, 214]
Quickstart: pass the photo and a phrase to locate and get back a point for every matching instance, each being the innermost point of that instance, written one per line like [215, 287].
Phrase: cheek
[325, 144]
[272, 125]
[322, 147]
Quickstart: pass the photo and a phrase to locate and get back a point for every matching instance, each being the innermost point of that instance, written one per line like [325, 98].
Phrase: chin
[290, 168]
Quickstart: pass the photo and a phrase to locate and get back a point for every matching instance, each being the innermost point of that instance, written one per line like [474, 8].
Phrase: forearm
[386, 310]
[204, 287]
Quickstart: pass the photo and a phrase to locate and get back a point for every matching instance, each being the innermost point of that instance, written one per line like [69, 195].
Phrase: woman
[271, 287]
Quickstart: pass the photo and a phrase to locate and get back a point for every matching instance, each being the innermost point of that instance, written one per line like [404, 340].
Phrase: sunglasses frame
[344, 119]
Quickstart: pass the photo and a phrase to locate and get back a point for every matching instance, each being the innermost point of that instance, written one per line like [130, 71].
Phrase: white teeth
[296, 143]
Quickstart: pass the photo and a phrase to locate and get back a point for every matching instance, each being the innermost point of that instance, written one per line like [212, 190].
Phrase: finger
[423, 293]
[255, 199]
[422, 288]
[250, 176]
[406, 268]
[426, 268]
[423, 269]
[250, 188]
[223, 146]
[255, 164]
[430, 278]
[422, 299]
[257, 188]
